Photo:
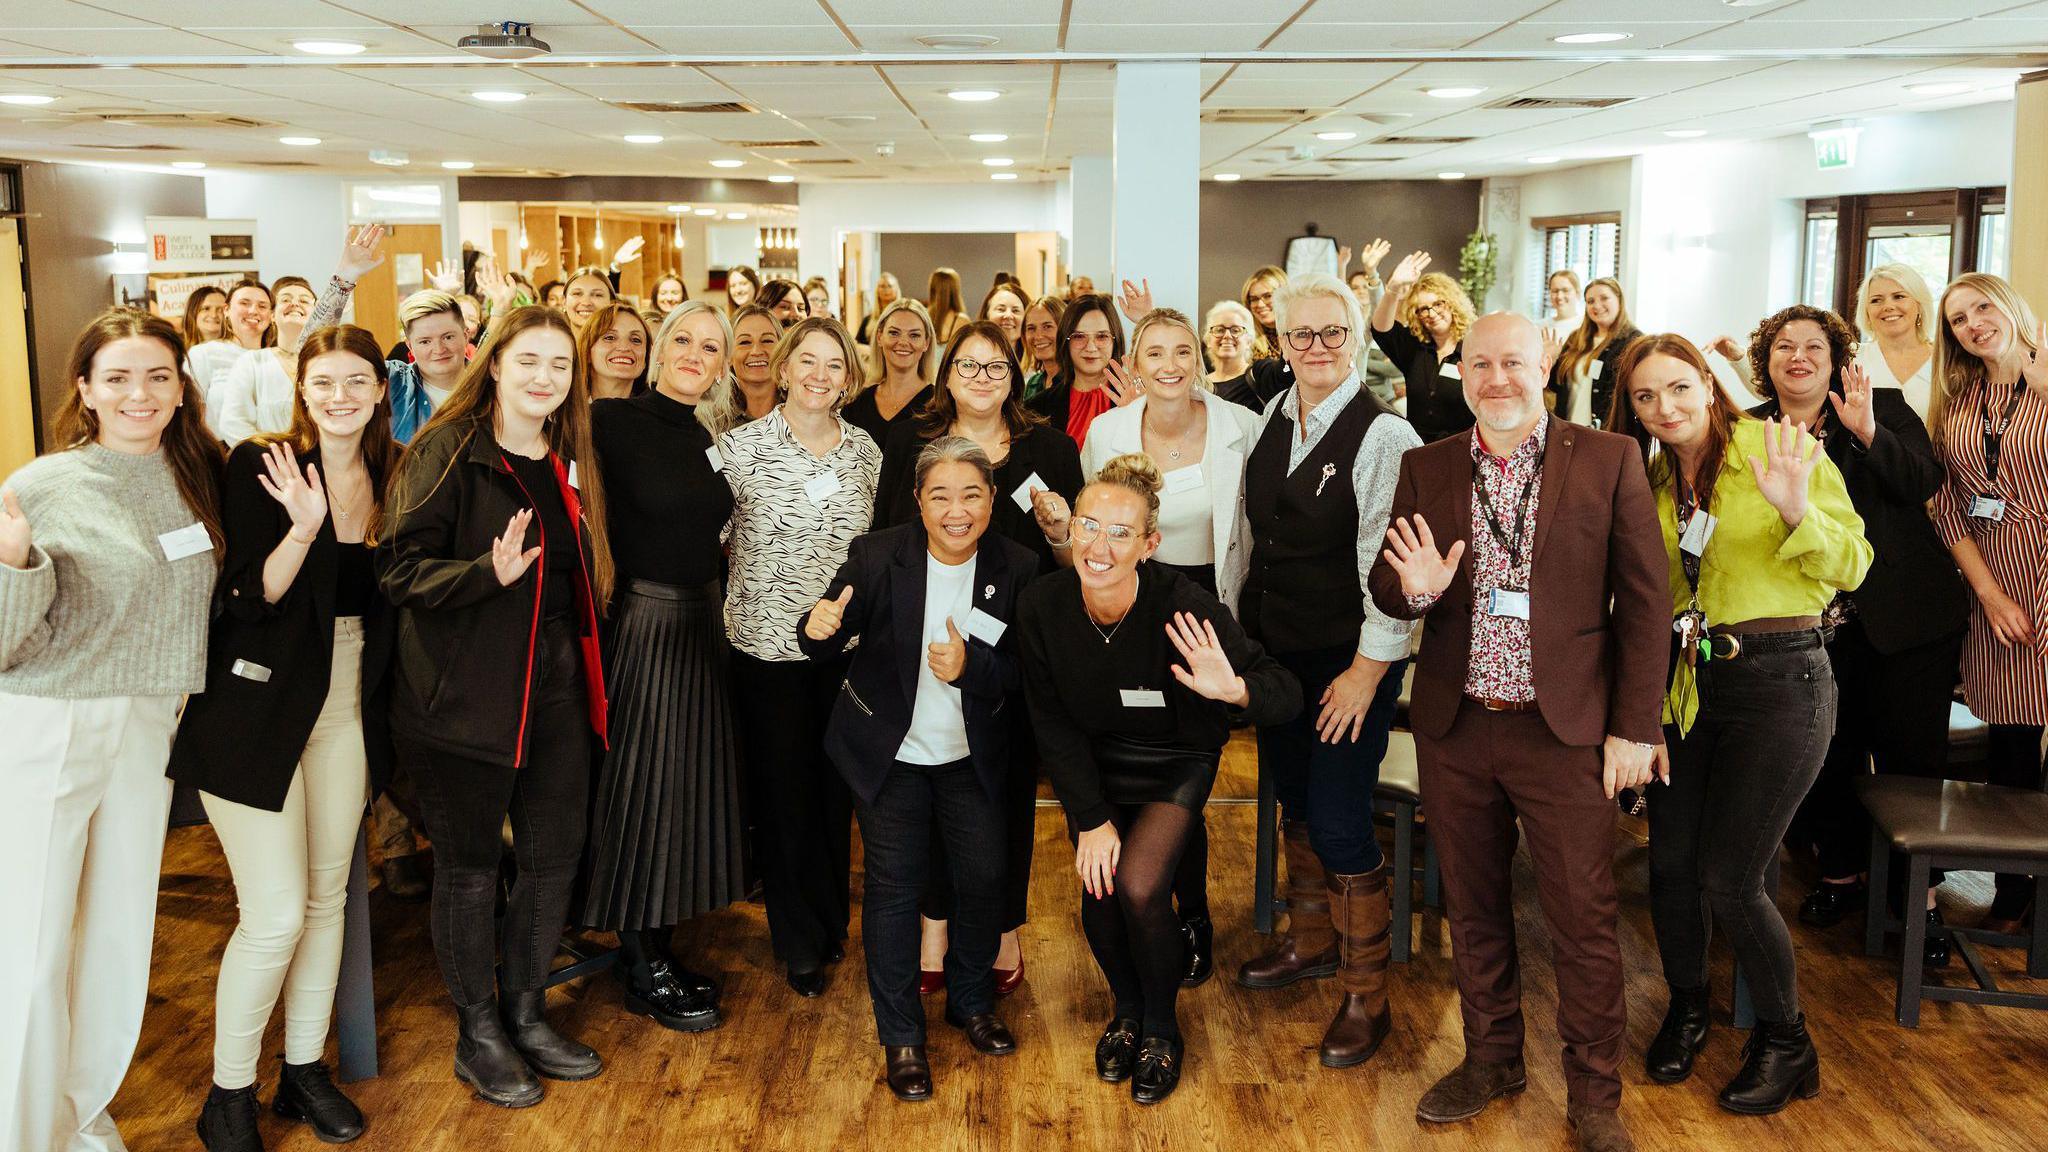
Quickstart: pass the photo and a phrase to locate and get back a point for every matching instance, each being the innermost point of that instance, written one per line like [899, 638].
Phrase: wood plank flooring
[785, 1073]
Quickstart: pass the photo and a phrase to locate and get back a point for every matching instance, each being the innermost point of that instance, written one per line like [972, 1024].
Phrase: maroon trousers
[1488, 770]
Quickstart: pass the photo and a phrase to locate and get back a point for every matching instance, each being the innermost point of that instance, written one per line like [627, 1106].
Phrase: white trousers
[291, 880]
[81, 843]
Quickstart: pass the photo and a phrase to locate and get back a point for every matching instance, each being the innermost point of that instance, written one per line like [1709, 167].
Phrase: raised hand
[1411, 551]
[1208, 673]
[360, 254]
[628, 251]
[1122, 382]
[303, 496]
[1137, 299]
[1781, 476]
[446, 276]
[1553, 346]
[1727, 347]
[1373, 254]
[15, 537]
[1343, 258]
[2036, 371]
[1051, 511]
[1408, 271]
[497, 287]
[828, 615]
[948, 659]
[535, 261]
[507, 560]
[1853, 405]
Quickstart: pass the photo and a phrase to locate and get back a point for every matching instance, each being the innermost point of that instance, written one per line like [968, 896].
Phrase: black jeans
[1133, 932]
[1017, 809]
[895, 834]
[2013, 758]
[465, 803]
[800, 807]
[1329, 786]
[1736, 779]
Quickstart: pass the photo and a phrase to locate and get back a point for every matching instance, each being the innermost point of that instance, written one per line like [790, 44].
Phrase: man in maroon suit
[1537, 694]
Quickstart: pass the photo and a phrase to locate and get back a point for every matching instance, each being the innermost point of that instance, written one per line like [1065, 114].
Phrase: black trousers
[895, 833]
[2013, 758]
[1893, 710]
[466, 803]
[1017, 812]
[801, 809]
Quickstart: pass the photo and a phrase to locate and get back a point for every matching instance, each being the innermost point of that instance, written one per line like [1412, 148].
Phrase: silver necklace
[1179, 442]
[1111, 634]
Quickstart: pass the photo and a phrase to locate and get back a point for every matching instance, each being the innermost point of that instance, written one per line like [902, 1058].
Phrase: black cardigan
[242, 737]
[1913, 594]
[1602, 385]
[1436, 402]
[886, 570]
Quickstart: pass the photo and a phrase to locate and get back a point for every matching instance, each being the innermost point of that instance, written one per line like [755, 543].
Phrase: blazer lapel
[907, 599]
[1223, 456]
[991, 579]
[1460, 527]
[1557, 462]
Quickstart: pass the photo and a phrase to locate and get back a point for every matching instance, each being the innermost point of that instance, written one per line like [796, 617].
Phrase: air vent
[726, 107]
[1424, 140]
[765, 144]
[183, 120]
[133, 147]
[1258, 115]
[1556, 103]
[815, 160]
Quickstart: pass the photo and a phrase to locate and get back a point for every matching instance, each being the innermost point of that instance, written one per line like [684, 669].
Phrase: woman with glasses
[1582, 377]
[1134, 674]
[1093, 378]
[818, 298]
[1040, 353]
[1567, 305]
[1227, 338]
[1418, 324]
[1259, 290]
[901, 380]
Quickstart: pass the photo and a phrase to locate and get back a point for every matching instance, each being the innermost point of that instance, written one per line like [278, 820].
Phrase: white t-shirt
[1186, 518]
[938, 725]
[435, 396]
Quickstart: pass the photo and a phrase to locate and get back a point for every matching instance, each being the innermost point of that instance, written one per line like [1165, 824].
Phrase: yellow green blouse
[1755, 567]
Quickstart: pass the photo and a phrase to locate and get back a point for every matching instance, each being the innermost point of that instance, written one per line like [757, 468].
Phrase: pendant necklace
[1111, 634]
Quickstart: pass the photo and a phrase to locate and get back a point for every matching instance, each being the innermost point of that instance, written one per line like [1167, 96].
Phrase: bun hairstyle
[1134, 472]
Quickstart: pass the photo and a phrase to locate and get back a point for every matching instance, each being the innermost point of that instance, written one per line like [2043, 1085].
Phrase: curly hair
[1841, 345]
[1453, 297]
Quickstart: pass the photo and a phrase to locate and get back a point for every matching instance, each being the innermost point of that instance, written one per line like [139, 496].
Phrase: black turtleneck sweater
[664, 503]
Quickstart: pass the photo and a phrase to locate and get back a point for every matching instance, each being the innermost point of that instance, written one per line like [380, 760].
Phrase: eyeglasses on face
[1434, 306]
[994, 370]
[1091, 338]
[1332, 336]
[353, 386]
[1237, 330]
[1086, 528]
[1259, 298]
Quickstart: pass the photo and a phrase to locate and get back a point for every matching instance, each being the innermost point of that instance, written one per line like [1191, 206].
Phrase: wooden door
[18, 422]
[380, 289]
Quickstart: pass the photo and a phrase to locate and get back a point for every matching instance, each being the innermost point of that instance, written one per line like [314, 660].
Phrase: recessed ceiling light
[782, 178]
[188, 164]
[974, 95]
[1454, 93]
[1590, 37]
[25, 98]
[679, 207]
[957, 42]
[299, 141]
[1685, 133]
[641, 138]
[705, 212]
[1450, 175]
[1336, 135]
[727, 163]
[328, 47]
[989, 137]
[1544, 159]
[458, 165]
[997, 161]
[735, 215]
[1002, 175]
[1228, 177]
[1938, 89]
[499, 96]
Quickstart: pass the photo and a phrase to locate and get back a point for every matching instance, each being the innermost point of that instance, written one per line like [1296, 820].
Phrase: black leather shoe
[1778, 1064]
[1936, 953]
[670, 1002]
[486, 1060]
[227, 1123]
[307, 1092]
[548, 1052]
[1201, 938]
[809, 985]
[697, 982]
[1117, 1051]
[1158, 1070]
[1670, 1055]
[1827, 904]
[985, 1032]
[908, 1073]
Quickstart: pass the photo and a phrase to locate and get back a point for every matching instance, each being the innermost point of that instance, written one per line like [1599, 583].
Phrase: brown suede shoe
[1598, 1129]
[1469, 1088]
[1360, 910]
[1309, 948]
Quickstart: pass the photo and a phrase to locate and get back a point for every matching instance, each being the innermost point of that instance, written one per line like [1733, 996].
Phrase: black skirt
[1144, 772]
[666, 833]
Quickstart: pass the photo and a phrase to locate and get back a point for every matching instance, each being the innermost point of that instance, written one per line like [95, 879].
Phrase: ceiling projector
[509, 40]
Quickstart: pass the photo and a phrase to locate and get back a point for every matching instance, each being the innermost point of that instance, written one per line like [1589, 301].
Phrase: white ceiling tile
[1628, 11]
[2003, 35]
[893, 38]
[539, 13]
[561, 38]
[206, 14]
[26, 14]
[907, 12]
[1093, 13]
[1811, 35]
[1167, 37]
[691, 41]
[770, 14]
[1861, 10]
[1237, 93]
[129, 40]
[1531, 35]
[1352, 37]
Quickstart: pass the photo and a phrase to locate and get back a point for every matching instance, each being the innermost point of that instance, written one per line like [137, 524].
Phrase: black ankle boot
[307, 1092]
[228, 1121]
[1201, 938]
[657, 992]
[549, 1052]
[1778, 1064]
[1669, 1058]
[486, 1060]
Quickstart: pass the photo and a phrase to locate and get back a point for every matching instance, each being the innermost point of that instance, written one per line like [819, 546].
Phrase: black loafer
[1117, 1051]
[908, 1073]
[307, 1092]
[985, 1032]
[809, 985]
[1827, 904]
[671, 1003]
[1158, 1070]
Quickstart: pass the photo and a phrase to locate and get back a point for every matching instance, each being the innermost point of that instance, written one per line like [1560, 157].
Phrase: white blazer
[1233, 429]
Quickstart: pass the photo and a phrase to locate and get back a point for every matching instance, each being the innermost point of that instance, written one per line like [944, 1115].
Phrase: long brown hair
[942, 300]
[194, 454]
[1016, 292]
[1721, 413]
[1585, 342]
[1956, 368]
[1055, 307]
[601, 322]
[193, 303]
[1071, 319]
[940, 411]
[472, 409]
[379, 451]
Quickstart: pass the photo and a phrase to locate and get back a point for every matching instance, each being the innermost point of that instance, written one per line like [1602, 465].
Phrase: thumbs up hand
[949, 659]
[827, 615]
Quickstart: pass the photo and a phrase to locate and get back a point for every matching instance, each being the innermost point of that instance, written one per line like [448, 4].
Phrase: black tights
[1134, 933]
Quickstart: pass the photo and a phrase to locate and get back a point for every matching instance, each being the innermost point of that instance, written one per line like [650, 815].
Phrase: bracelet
[1062, 545]
[302, 540]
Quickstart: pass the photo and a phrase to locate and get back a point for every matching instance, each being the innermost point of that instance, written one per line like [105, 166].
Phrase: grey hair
[1308, 286]
[683, 311]
[1233, 308]
[953, 450]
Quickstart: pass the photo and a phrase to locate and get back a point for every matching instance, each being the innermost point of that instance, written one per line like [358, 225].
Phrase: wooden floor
[785, 1073]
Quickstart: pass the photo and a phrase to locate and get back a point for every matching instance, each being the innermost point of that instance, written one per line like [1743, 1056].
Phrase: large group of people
[636, 606]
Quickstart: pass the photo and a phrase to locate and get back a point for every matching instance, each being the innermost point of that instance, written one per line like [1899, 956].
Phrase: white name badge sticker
[717, 461]
[1023, 493]
[1512, 602]
[1594, 369]
[984, 627]
[821, 487]
[1987, 508]
[572, 477]
[1143, 698]
[1450, 370]
[190, 540]
[1184, 479]
[1698, 531]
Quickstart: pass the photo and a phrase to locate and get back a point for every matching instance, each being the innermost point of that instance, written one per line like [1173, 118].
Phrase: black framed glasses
[1237, 330]
[995, 371]
[1333, 337]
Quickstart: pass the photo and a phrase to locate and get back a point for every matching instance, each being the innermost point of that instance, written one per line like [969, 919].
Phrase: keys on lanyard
[1695, 529]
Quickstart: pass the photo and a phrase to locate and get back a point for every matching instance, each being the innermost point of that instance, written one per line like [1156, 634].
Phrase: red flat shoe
[1008, 980]
[929, 981]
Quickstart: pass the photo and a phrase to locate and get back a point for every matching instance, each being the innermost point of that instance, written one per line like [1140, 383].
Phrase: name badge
[1143, 698]
[190, 540]
[1184, 479]
[572, 477]
[985, 628]
[1023, 493]
[1450, 370]
[717, 461]
[249, 671]
[1987, 508]
[1593, 370]
[821, 486]
[1510, 602]
[1698, 531]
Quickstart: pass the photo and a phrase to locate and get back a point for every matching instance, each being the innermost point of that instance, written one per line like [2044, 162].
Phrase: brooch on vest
[1329, 470]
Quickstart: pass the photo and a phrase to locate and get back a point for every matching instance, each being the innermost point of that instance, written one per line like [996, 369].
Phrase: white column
[1093, 209]
[1157, 160]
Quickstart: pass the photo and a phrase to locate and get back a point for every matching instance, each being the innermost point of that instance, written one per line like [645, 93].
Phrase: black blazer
[1603, 385]
[1913, 594]
[887, 572]
[241, 738]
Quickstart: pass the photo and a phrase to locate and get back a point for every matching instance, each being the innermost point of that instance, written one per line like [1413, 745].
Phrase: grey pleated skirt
[666, 833]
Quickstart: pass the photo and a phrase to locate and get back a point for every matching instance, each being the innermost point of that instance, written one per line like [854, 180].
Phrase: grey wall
[73, 215]
[1248, 224]
[976, 256]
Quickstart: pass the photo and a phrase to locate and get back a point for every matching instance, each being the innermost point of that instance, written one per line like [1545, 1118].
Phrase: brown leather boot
[1466, 1090]
[1597, 1129]
[1363, 917]
[1309, 947]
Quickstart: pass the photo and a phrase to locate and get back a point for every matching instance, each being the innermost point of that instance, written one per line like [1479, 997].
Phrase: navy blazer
[886, 570]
